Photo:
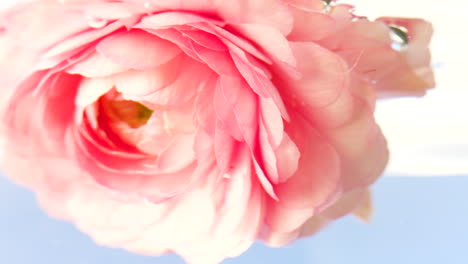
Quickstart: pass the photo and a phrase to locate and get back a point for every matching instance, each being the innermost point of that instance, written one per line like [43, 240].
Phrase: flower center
[130, 112]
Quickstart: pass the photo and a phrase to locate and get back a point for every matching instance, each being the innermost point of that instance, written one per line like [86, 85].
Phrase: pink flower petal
[287, 156]
[318, 175]
[96, 65]
[38, 21]
[263, 36]
[137, 49]
[169, 19]
[310, 25]
[322, 91]
[178, 155]
[144, 82]
[80, 41]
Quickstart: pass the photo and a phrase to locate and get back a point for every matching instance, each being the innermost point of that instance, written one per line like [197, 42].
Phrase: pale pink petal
[346, 204]
[195, 207]
[38, 21]
[322, 91]
[80, 41]
[89, 91]
[314, 225]
[278, 239]
[238, 220]
[287, 156]
[365, 157]
[364, 210]
[137, 49]
[178, 155]
[282, 219]
[170, 19]
[176, 37]
[96, 65]
[195, 75]
[310, 5]
[311, 25]
[144, 82]
[270, 12]
[112, 10]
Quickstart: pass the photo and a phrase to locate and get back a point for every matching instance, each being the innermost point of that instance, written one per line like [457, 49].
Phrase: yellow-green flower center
[130, 112]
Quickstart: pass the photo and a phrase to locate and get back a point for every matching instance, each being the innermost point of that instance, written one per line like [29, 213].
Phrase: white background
[429, 136]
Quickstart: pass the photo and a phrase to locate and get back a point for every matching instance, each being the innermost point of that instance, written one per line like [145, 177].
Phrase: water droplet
[227, 175]
[328, 5]
[96, 22]
[399, 36]
[147, 4]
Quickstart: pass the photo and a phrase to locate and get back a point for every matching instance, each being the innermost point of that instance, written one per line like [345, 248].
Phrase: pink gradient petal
[78, 42]
[268, 157]
[346, 204]
[318, 175]
[137, 49]
[195, 75]
[321, 92]
[224, 148]
[259, 82]
[365, 157]
[205, 39]
[138, 83]
[170, 19]
[38, 21]
[195, 207]
[272, 121]
[263, 36]
[309, 5]
[112, 10]
[239, 216]
[340, 114]
[89, 92]
[310, 25]
[178, 155]
[223, 110]
[287, 156]
[219, 61]
[270, 12]
[96, 65]
[284, 219]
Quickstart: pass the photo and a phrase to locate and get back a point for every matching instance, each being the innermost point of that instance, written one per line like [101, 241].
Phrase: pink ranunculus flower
[199, 126]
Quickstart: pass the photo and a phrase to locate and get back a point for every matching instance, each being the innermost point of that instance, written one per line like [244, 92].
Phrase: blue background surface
[417, 220]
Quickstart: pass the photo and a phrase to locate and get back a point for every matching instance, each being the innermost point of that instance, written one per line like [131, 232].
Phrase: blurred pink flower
[199, 126]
